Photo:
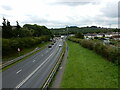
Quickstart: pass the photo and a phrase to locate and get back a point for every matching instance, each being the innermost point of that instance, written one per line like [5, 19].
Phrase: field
[86, 69]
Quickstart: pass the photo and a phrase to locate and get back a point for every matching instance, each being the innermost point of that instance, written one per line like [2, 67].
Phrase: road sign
[18, 49]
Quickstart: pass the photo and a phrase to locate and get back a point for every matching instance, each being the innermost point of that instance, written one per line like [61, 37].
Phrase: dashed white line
[19, 85]
[19, 71]
[33, 60]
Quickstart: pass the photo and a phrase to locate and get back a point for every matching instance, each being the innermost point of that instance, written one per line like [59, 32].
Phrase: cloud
[110, 9]
[34, 19]
[59, 13]
[5, 7]
[74, 2]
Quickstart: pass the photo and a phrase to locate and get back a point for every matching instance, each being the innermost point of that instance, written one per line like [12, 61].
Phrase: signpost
[18, 51]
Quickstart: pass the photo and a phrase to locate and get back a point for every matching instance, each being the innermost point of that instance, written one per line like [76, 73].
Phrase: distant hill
[75, 29]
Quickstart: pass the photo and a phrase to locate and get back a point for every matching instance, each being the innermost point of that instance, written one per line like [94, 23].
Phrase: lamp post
[67, 29]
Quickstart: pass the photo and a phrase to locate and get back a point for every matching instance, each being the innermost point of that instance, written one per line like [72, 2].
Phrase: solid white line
[19, 71]
[19, 85]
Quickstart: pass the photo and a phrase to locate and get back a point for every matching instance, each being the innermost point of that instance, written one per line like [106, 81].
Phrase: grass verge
[86, 69]
[40, 46]
[24, 51]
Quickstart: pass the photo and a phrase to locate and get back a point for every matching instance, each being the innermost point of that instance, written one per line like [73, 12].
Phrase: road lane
[26, 67]
[39, 78]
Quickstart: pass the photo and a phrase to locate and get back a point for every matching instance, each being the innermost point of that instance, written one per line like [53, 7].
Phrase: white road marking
[33, 60]
[19, 85]
[19, 71]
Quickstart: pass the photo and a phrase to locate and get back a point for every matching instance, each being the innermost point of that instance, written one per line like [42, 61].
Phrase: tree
[6, 29]
[38, 30]
[79, 35]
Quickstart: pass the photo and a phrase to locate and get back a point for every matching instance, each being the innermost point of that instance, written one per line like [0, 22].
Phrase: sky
[61, 13]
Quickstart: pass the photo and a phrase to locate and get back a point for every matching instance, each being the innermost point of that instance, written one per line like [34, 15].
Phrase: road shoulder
[58, 77]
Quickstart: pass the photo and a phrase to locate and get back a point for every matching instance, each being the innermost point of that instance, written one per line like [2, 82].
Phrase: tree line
[27, 30]
[15, 37]
[110, 53]
[84, 30]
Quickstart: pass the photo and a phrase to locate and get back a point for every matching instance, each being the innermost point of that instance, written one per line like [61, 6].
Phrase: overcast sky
[59, 13]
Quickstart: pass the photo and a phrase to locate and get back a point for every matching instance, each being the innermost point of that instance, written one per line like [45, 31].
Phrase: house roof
[117, 36]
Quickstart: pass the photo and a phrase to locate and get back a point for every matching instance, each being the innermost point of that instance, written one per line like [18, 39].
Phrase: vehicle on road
[50, 46]
[62, 37]
[54, 41]
[60, 45]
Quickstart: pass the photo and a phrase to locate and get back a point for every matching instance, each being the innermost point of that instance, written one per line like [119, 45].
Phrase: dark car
[49, 46]
[52, 44]
[54, 41]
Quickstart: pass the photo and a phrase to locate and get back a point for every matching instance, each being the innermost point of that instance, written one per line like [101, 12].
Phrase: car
[60, 45]
[49, 46]
[52, 44]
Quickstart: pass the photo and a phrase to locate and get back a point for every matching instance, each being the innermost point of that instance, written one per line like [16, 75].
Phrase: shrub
[79, 35]
[110, 53]
[11, 45]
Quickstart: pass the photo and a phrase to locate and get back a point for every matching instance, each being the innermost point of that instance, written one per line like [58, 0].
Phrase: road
[32, 72]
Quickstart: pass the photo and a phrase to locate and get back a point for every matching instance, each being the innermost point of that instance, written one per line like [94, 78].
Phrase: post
[18, 51]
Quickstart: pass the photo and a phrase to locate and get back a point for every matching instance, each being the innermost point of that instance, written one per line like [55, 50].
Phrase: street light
[67, 29]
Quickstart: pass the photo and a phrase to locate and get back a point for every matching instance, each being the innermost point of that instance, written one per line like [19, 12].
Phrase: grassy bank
[86, 69]
[24, 51]
[109, 52]
[12, 44]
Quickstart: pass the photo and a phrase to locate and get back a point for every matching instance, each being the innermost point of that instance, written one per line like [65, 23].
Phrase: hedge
[107, 51]
[11, 45]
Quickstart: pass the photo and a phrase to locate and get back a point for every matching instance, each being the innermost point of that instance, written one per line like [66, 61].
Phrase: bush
[11, 45]
[79, 35]
[110, 53]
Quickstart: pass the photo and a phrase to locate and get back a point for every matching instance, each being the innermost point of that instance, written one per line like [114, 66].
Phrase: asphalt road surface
[32, 72]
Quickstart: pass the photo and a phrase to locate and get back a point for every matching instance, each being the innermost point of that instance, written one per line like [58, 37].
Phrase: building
[117, 37]
[100, 35]
[89, 35]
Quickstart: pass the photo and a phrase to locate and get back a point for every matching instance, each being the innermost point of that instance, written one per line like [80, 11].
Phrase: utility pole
[110, 26]
[67, 29]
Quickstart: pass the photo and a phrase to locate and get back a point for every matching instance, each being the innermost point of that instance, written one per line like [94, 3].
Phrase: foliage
[27, 30]
[95, 37]
[79, 35]
[86, 69]
[38, 30]
[11, 45]
[74, 30]
[110, 53]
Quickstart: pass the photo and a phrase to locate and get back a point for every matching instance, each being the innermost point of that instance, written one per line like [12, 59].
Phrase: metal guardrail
[52, 74]
[19, 58]
[50, 77]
